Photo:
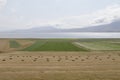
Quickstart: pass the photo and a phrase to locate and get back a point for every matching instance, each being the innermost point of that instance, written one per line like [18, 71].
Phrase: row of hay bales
[58, 58]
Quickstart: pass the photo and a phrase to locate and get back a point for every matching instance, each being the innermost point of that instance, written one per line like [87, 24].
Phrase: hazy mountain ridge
[112, 27]
[44, 29]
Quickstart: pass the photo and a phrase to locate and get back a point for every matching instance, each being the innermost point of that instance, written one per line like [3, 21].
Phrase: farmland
[61, 45]
[14, 44]
[54, 46]
[60, 59]
[60, 66]
[112, 44]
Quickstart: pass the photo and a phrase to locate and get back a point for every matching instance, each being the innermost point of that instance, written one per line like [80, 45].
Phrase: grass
[67, 45]
[35, 46]
[101, 45]
[14, 44]
[54, 46]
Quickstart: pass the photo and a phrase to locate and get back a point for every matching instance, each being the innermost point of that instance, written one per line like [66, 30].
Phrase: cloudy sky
[21, 14]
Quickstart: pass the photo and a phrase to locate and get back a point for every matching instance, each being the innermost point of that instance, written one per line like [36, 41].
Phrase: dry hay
[63, 57]
[59, 65]
[4, 45]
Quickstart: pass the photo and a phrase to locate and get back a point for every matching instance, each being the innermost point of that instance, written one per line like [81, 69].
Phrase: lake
[60, 35]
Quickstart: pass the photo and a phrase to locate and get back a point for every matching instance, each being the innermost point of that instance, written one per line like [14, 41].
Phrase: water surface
[60, 35]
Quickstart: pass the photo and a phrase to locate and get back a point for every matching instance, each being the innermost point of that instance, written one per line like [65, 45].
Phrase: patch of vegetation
[101, 45]
[14, 44]
[35, 46]
[54, 46]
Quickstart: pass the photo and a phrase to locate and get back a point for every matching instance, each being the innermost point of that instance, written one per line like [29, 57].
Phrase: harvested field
[4, 45]
[60, 66]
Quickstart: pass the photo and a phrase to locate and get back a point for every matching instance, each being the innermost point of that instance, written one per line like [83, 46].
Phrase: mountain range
[111, 27]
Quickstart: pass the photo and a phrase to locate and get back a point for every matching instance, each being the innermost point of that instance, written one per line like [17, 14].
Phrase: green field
[14, 44]
[69, 45]
[101, 44]
[54, 46]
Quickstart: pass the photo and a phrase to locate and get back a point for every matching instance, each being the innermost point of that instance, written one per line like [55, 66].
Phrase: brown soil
[4, 45]
[60, 66]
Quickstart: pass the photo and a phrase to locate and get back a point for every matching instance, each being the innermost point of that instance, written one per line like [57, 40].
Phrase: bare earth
[60, 66]
[4, 45]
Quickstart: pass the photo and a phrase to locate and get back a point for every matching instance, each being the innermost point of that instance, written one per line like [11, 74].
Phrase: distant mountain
[112, 27]
[44, 29]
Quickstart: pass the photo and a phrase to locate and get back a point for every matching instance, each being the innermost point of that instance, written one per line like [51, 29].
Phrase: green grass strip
[14, 44]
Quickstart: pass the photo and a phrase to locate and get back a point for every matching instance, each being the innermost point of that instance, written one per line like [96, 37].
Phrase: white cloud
[13, 10]
[104, 16]
[59, 1]
[2, 3]
[99, 17]
[11, 22]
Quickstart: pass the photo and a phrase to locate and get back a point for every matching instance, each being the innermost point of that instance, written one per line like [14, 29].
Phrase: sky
[23, 14]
